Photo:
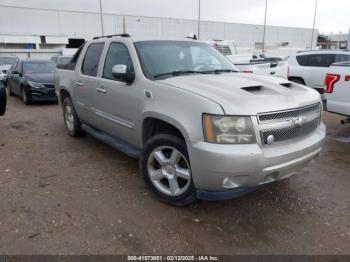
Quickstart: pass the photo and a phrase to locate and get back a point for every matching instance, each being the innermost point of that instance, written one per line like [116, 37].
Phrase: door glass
[342, 58]
[92, 59]
[118, 54]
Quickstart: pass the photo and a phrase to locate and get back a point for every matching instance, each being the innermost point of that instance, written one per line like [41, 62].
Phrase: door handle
[78, 83]
[102, 90]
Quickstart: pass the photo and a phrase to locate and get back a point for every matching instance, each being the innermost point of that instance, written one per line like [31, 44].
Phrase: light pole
[101, 16]
[313, 27]
[348, 43]
[199, 19]
[264, 33]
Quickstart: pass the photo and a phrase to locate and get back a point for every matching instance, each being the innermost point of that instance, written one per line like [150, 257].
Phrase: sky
[332, 16]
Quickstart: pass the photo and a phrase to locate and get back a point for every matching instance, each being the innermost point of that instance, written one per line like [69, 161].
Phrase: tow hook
[345, 121]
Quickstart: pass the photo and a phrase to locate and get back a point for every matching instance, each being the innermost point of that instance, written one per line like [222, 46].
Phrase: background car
[5, 63]
[61, 60]
[310, 67]
[3, 98]
[32, 80]
[337, 90]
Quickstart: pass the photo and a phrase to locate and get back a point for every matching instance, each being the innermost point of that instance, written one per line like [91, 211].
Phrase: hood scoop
[288, 85]
[252, 89]
[259, 90]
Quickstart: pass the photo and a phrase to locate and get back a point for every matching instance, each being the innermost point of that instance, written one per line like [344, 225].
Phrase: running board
[116, 143]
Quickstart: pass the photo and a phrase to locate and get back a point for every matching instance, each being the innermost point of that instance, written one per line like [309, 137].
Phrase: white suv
[310, 67]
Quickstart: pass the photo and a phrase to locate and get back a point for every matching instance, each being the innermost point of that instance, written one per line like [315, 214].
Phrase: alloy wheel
[169, 170]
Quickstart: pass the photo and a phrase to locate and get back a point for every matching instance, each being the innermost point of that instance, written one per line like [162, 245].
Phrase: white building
[39, 24]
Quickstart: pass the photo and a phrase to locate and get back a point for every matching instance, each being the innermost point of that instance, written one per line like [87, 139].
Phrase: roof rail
[324, 50]
[109, 36]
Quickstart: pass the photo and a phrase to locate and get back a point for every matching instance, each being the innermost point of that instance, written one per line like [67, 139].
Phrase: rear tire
[166, 169]
[71, 119]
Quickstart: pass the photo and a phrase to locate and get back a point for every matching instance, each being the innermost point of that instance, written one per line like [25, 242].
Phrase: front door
[118, 103]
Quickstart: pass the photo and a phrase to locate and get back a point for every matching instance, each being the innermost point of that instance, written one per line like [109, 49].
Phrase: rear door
[87, 82]
[317, 68]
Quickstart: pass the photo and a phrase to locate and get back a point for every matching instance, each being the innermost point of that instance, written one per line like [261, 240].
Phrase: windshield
[7, 60]
[38, 67]
[65, 60]
[161, 58]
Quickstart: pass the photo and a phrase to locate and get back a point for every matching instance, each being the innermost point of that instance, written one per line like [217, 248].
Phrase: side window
[92, 59]
[303, 60]
[118, 54]
[342, 58]
[316, 60]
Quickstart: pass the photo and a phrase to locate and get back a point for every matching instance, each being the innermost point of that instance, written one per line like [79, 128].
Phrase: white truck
[254, 63]
[337, 90]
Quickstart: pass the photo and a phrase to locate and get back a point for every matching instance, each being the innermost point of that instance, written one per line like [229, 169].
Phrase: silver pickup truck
[200, 128]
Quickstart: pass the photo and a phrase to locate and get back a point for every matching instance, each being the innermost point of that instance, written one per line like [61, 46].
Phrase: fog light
[229, 183]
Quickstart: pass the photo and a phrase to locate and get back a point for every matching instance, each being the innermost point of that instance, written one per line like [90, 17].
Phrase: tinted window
[92, 59]
[38, 67]
[342, 58]
[316, 60]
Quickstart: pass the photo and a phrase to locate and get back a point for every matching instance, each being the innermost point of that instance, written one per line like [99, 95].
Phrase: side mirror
[122, 73]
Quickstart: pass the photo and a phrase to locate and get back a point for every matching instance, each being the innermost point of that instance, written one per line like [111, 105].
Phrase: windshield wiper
[218, 71]
[178, 73]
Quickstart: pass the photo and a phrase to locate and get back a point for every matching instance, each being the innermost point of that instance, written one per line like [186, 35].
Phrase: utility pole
[101, 16]
[264, 33]
[199, 19]
[348, 43]
[313, 27]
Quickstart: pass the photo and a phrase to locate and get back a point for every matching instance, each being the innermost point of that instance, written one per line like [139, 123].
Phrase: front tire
[25, 97]
[166, 169]
[71, 119]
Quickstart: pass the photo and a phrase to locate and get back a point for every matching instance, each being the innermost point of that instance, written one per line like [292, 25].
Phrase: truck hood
[246, 94]
[46, 78]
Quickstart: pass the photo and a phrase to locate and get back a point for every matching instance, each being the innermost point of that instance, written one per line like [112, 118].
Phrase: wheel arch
[154, 123]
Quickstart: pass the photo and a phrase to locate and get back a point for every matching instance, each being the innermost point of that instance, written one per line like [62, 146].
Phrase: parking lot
[60, 195]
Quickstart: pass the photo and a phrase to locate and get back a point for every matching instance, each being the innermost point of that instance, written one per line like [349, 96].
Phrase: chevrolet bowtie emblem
[298, 121]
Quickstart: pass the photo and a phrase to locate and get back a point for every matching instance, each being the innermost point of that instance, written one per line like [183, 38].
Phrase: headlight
[228, 129]
[36, 85]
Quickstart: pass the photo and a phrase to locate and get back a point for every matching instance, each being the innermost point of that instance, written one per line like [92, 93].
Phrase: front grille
[290, 132]
[287, 114]
[289, 124]
[49, 85]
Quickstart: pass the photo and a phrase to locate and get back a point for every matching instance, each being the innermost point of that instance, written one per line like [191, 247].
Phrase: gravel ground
[61, 195]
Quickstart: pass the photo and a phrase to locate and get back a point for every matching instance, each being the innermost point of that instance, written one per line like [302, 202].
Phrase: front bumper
[42, 94]
[228, 170]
